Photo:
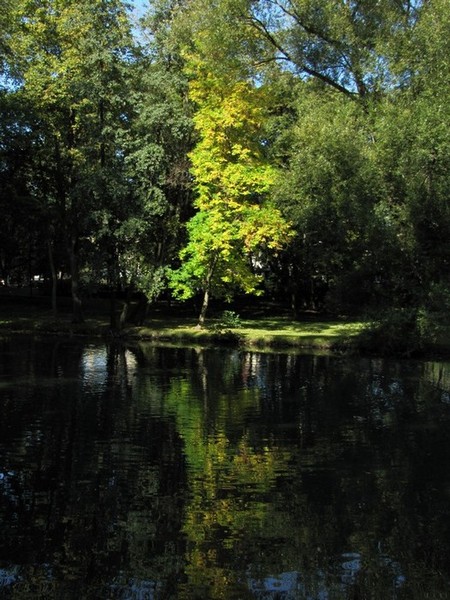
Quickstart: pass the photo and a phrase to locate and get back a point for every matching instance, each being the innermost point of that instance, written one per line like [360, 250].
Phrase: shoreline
[278, 334]
[261, 327]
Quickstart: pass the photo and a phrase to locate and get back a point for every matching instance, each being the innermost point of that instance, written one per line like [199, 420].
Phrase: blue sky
[140, 5]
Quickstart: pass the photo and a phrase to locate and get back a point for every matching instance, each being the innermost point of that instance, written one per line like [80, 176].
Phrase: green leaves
[234, 221]
[327, 115]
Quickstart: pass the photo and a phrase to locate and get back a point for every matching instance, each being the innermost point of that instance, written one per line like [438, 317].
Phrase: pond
[144, 472]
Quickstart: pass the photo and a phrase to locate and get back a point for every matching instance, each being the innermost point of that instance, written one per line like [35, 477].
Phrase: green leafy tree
[156, 161]
[413, 149]
[70, 59]
[332, 67]
[365, 182]
[332, 192]
[7, 27]
[24, 229]
[417, 148]
[347, 46]
[235, 220]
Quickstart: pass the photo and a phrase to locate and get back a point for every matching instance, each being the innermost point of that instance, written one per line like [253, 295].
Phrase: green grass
[282, 331]
[270, 333]
[172, 328]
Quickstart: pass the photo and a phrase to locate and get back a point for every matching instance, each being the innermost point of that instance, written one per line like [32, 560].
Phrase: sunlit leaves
[234, 220]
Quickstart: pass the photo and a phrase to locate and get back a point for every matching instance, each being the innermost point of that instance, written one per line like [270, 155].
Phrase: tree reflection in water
[144, 472]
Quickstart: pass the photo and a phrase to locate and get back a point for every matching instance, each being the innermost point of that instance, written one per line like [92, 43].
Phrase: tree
[342, 62]
[22, 243]
[235, 220]
[364, 182]
[330, 190]
[8, 25]
[414, 151]
[347, 46]
[328, 115]
[70, 59]
[156, 159]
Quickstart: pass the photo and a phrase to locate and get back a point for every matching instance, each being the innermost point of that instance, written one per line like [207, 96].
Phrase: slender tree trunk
[77, 306]
[202, 316]
[125, 309]
[30, 271]
[112, 310]
[123, 315]
[112, 280]
[207, 292]
[51, 260]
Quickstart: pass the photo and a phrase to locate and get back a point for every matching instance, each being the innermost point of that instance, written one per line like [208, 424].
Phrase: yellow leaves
[233, 180]
[227, 162]
[265, 226]
[229, 114]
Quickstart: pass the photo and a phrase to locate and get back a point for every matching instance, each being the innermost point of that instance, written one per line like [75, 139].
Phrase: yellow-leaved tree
[235, 222]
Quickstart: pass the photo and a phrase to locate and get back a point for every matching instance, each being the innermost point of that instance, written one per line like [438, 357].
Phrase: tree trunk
[206, 292]
[202, 316]
[123, 315]
[51, 260]
[112, 310]
[77, 306]
[112, 281]
[125, 310]
[30, 271]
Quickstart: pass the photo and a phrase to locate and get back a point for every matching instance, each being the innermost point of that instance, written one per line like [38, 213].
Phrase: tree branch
[263, 29]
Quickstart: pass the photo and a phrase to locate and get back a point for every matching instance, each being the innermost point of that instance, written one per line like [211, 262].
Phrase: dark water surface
[153, 473]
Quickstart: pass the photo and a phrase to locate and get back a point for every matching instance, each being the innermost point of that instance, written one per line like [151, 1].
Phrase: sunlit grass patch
[297, 332]
[261, 332]
[279, 331]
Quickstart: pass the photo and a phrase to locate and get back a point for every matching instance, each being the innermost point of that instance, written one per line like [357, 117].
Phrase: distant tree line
[297, 149]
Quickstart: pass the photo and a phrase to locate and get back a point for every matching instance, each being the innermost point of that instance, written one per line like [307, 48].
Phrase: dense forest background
[296, 148]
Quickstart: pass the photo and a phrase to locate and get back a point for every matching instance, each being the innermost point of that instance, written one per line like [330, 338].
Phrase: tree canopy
[298, 149]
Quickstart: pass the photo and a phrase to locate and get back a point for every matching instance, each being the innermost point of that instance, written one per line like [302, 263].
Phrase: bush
[229, 320]
[396, 331]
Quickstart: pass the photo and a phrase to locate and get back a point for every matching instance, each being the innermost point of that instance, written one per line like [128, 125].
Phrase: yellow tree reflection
[230, 483]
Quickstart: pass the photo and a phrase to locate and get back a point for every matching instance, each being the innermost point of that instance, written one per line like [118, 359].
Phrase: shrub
[395, 331]
[229, 320]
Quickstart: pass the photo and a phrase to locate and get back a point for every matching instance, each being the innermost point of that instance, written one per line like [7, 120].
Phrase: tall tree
[8, 25]
[70, 59]
[156, 161]
[346, 45]
[23, 217]
[414, 153]
[331, 190]
[235, 220]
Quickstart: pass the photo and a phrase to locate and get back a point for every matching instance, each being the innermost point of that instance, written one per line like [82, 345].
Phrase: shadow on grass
[259, 332]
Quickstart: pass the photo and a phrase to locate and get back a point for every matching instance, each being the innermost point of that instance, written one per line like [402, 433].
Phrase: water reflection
[144, 472]
[96, 369]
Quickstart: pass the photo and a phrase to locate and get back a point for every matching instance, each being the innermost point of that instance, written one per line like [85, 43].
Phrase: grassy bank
[163, 326]
[278, 332]
[260, 329]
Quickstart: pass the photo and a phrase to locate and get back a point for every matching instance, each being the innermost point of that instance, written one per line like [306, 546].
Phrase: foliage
[411, 330]
[74, 77]
[156, 166]
[295, 148]
[365, 182]
[329, 190]
[234, 221]
[228, 320]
